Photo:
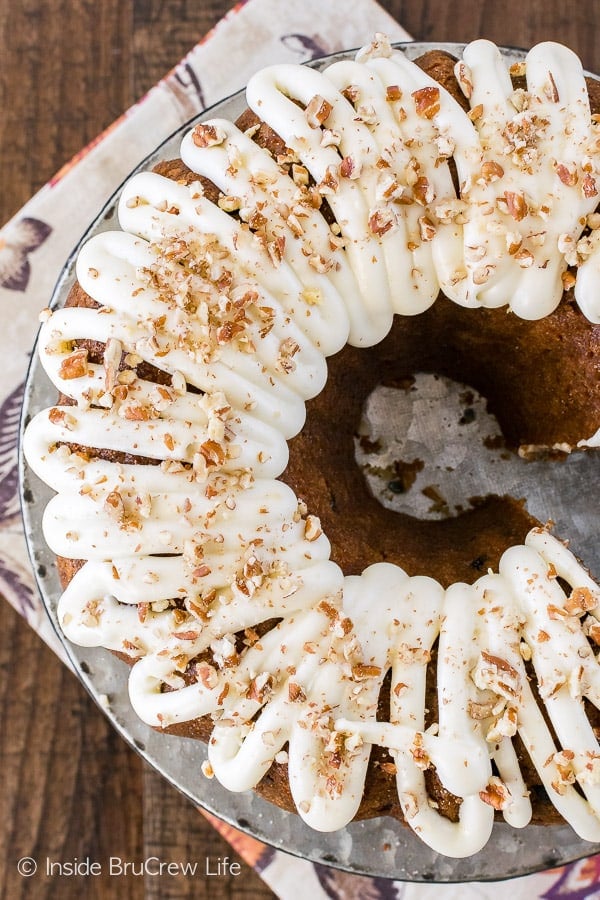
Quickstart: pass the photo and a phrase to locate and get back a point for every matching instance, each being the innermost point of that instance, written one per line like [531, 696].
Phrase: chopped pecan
[380, 221]
[206, 135]
[213, 453]
[566, 176]
[589, 186]
[260, 687]
[312, 528]
[423, 191]
[580, 600]
[393, 92]
[295, 692]
[464, 78]
[516, 204]
[427, 102]
[491, 170]
[500, 663]
[361, 670]
[136, 413]
[496, 794]
[75, 365]
[318, 111]
[347, 167]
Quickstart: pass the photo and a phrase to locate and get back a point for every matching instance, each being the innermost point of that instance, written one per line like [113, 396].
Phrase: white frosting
[239, 314]
[527, 166]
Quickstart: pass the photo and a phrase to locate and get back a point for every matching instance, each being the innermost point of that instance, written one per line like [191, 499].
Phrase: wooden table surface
[70, 786]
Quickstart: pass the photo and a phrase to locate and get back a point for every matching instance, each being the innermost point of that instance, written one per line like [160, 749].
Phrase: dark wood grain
[512, 23]
[70, 787]
[67, 72]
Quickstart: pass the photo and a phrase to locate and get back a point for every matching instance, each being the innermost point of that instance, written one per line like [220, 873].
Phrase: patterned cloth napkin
[33, 248]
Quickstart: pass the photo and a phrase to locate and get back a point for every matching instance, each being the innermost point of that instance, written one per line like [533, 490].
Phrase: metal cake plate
[379, 847]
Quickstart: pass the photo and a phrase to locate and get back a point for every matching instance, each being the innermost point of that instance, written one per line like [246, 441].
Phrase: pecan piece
[566, 176]
[318, 111]
[589, 187]
[75, 365]
[496, 794]
[206, 135]
[580, 600]
[380, 221]
[516, 204]
[427, 102]
[491, 171]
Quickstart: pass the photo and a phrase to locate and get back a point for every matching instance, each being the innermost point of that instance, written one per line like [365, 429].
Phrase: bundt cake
[211, 524]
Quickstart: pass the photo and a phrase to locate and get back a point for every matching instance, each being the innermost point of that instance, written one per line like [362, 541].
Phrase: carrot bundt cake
[356, 226]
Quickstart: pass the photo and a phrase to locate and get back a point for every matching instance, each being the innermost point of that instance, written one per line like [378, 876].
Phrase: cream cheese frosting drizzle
[189, 552]
[527, 163]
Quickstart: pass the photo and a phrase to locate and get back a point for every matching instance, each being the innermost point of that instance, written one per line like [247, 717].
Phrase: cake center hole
[430, 448]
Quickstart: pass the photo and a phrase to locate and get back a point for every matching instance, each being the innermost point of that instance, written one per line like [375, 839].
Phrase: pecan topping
[143, 609]
[476, 112]
[594, 633]
[556, 612]
[482, 274]
[580, 600]
[524, 257]
[480, 711]
[566, 176]
[229, 203]
[205, 135]
[329, 610]
[423, 191]
[136, 413]
[361, 670]
[517, 206]
[518, 69]
[496, 794]
[75, 365]
[295, 692]
[213, 453]
[330, 184]
[57, 416]
[114, 506]
[187, 635]
[351, 93]
[420, 756]
[464, 78]
[589, 186]
[426, 229]
[312, 529]
[287, 350]
[491, 171]
[550, 90]
[381, 221]
[427, 102]
[502, 664]
[393, 92]
[318, 111]
[300, 174]
[347, 167]
[260, 687]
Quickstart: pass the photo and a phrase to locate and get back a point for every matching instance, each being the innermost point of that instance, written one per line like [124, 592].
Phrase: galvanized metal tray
[379, 847]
